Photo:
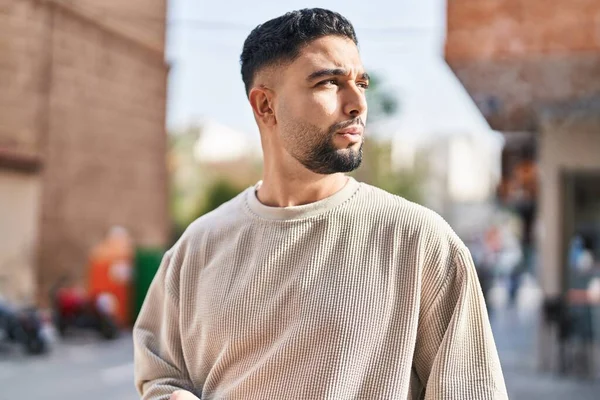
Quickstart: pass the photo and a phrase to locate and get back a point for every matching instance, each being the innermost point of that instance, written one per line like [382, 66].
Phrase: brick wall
[143, 20]
[507, 91]
[513, 54]
[509, 29]
[84, 97]
[105, 159]
[23, 58]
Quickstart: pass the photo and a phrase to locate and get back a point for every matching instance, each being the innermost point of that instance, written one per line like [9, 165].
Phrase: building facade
[533, 69]
[82, 134]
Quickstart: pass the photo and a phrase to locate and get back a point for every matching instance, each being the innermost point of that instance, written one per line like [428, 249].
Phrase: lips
[353, 135]
[353, 130]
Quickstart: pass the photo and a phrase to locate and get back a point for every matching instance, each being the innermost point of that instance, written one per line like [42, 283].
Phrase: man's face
[321, 108]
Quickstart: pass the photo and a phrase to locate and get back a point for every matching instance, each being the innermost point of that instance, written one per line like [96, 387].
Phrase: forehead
[329, 52]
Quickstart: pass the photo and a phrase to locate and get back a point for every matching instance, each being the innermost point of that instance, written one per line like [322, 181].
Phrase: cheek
[319, 108]
[324, 104]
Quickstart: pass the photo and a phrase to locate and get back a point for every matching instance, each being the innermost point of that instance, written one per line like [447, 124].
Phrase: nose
[355, 102]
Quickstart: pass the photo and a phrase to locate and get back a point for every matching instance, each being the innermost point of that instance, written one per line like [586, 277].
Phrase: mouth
[352, 133]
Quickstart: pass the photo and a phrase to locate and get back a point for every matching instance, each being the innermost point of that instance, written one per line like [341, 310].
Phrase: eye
[364, 85]
[328, 82]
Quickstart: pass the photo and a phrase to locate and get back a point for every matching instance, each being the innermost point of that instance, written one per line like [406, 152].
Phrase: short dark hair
[282, 38]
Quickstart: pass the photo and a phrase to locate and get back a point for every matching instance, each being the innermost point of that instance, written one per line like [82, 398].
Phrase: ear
[261, 100]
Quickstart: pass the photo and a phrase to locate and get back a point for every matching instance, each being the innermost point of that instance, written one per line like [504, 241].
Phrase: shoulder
[192, 241]
[228, 213]
[425, 239]
[410, 218]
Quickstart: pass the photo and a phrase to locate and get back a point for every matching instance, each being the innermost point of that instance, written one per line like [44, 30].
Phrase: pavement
[86, 367]
[515, 335]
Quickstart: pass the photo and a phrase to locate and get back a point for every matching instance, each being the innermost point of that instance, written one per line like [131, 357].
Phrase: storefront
[568, 237]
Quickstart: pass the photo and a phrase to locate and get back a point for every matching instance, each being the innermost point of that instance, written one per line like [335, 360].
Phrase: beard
[315, 148]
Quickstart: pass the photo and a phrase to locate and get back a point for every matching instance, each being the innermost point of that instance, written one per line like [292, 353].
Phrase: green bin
[147, 261]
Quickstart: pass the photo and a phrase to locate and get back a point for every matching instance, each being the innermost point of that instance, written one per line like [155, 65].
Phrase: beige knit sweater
[362, 295]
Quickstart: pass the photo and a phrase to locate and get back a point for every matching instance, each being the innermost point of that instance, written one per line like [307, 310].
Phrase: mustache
[345, 124]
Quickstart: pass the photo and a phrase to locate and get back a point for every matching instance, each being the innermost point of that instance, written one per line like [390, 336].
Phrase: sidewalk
[515, 335]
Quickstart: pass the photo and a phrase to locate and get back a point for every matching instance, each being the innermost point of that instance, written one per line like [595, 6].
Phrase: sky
[400, 40]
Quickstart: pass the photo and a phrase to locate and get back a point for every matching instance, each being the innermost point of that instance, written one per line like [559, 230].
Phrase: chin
[353, 147]
[356, 145]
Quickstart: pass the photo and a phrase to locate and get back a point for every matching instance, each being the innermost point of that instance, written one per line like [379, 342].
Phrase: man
[311, 285]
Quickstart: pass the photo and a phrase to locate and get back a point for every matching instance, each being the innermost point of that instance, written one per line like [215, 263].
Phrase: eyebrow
[333, 72]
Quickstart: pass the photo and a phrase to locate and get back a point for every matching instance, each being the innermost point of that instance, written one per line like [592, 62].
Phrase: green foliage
[407, 184]
[219, 192]
[376, 170]
[185, 182]
[382, 101]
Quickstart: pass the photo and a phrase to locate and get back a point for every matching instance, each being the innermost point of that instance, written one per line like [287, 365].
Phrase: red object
[71, 301]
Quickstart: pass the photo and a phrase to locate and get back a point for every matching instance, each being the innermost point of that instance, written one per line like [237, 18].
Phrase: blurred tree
[382, 101]
[219, 192]
[376, 169]
[198, 186]
[185, 183]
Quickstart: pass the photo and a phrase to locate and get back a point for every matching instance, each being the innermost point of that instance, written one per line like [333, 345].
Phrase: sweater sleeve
[158, 358]
[455, 355]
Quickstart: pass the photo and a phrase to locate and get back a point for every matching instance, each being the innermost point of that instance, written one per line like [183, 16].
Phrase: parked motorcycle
[24, 326]
[73, 308]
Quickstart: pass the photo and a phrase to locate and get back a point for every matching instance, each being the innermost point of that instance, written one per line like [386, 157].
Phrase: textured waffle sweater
[362, 295]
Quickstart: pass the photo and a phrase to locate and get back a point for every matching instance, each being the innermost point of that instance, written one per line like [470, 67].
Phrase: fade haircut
[281, 39]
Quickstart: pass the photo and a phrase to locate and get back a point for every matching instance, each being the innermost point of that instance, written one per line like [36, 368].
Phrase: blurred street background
[123, 121]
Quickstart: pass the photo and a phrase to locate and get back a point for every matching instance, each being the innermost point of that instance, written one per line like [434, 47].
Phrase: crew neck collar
[302, 211]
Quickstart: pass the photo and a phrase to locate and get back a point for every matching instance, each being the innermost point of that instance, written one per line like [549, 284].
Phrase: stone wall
[23, 60]
[88, 98]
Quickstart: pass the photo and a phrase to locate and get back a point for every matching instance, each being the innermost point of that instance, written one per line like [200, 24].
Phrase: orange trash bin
[111, 272]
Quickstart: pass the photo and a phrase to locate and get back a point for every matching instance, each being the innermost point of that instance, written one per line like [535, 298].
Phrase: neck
[287, 187]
